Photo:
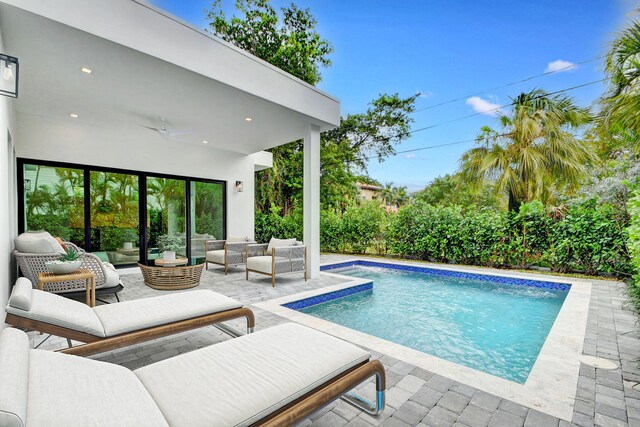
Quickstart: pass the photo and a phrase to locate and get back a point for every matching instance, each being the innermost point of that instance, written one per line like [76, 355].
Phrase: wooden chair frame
[273, 262]
[331, 390]
[96, 344]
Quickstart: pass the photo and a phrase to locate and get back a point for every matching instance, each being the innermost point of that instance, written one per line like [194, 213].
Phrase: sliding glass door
[122, 216]
[115, 217]
[166, 216]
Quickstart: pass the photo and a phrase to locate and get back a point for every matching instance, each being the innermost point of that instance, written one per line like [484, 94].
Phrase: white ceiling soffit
[146, 65]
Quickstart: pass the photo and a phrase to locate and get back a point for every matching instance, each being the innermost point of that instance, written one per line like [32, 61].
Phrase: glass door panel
[115, 217]
[54, 201]
[207, 217]
[166, 216]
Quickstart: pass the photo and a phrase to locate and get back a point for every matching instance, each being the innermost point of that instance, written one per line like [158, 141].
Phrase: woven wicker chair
[281, 260]
[33, 264]
[222, 252]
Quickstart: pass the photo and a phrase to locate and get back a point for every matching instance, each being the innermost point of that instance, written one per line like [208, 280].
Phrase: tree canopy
[289, 41]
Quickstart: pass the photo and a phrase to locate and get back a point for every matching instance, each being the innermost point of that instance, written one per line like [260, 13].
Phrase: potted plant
[169, 245]
[128, 237]
[69, 262]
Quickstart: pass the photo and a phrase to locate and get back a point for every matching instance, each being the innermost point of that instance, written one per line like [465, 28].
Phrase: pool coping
[552, 384]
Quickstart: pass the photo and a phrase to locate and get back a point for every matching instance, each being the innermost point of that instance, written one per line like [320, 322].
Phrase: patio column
[311, 200]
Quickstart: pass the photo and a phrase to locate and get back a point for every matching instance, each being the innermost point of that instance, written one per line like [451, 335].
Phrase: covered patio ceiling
[146, 65]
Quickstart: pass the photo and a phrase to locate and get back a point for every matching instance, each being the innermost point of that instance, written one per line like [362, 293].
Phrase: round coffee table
[161, 262]
[171, 278]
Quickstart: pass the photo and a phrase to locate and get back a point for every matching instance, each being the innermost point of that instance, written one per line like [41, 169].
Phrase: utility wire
[498, 108]
[462, 98]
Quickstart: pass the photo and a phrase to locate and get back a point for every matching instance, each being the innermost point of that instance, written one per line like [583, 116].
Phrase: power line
[462, 98]
[498, 108]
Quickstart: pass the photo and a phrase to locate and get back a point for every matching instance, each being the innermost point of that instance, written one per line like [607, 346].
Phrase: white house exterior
[147, 65]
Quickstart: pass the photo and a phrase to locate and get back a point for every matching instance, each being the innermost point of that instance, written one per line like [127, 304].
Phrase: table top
[161, 262]
[81, 273]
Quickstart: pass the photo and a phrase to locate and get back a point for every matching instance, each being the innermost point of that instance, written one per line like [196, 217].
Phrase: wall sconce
[10, 71]
[239, 187]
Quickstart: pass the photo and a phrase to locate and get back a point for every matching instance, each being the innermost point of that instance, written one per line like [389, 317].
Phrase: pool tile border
[329, 296]
[451, 273]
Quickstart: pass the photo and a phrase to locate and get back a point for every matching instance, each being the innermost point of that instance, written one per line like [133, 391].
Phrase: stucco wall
[73, 141]
[7, 197]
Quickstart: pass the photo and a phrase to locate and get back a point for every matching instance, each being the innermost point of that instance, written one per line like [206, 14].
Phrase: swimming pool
[494, 324]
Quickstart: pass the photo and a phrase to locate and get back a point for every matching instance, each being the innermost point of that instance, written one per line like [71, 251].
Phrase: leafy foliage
[289, 41]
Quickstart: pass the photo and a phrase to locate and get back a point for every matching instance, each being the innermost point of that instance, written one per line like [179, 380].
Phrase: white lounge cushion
[240, 381]
[21, 294]
[14, 377]
[60, 311]
[278, 243]
[112, 278]
[67, 390]
[263, 263]
[38, 243]
[237, 239]
[144, 313]
[216, 256]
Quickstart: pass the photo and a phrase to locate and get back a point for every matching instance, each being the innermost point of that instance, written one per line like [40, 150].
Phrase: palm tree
[534, 153]
[619, 121]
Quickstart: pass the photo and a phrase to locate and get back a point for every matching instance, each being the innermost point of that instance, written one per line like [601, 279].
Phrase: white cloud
[560, 66]
[410, 156]
[483, 106]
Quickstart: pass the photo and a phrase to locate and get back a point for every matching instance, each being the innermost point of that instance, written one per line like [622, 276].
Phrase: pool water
[493, 327]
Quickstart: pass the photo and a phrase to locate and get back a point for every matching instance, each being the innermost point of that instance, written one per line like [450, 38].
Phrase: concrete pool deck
[419, 396]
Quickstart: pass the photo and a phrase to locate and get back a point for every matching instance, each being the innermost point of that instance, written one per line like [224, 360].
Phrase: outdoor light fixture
[248, 119]
[238, 186]
[73, 115]
[86, 70]
[205, 142]
[10, 73]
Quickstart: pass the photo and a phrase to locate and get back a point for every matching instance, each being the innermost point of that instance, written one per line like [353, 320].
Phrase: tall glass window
[166, 216]
[207, 216]
[54, 201]
[115, 217]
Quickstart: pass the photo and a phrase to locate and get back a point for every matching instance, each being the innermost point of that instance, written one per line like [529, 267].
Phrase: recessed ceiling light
[73, 115]
[86, 70]
[248, 119]
[205, 142]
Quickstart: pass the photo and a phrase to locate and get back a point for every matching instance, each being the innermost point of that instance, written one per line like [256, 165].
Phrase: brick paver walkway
[417, 397]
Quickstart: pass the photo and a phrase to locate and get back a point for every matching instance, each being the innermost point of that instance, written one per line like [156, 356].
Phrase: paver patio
[416, 396]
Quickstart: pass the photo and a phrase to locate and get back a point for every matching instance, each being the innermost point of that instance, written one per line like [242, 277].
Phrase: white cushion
[38, 243]
[278, 243]
[21, 294]
[67, 390]
[57, 310]
[216, 256]
[236, 239]
[263, 263]
[240, 381]
[14, 377]
[112, 278]
[144, 313]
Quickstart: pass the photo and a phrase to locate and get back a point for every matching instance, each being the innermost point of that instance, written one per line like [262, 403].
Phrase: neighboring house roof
[371, 187]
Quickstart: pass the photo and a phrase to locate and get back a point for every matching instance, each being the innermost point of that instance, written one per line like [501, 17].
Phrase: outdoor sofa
[274, 377]
[111, 326]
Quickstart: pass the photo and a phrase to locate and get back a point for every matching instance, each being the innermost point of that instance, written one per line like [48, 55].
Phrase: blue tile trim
[319, 299]
[450, 273]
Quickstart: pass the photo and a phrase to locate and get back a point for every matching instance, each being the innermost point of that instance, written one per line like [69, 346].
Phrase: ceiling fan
[164, 131]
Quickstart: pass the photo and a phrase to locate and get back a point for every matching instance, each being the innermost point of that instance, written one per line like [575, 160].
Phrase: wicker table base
[171, 278]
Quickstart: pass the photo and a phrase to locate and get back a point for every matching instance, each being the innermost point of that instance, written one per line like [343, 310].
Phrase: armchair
[226, 252]
[276, 260]
[107, 279]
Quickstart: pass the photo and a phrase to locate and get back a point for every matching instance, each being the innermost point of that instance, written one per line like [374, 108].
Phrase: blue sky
[449, 49]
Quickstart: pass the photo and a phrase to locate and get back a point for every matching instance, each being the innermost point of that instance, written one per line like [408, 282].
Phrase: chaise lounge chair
[274, 377]
[111, 326]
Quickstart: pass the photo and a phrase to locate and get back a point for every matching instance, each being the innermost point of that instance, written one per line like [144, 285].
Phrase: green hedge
[587, 237]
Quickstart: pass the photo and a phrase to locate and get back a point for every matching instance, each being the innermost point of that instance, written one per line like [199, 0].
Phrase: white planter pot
[127, 245]
[169, 255]
[60, 267]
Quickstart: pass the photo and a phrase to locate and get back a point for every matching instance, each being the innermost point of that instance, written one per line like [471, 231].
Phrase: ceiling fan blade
[150, 128]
